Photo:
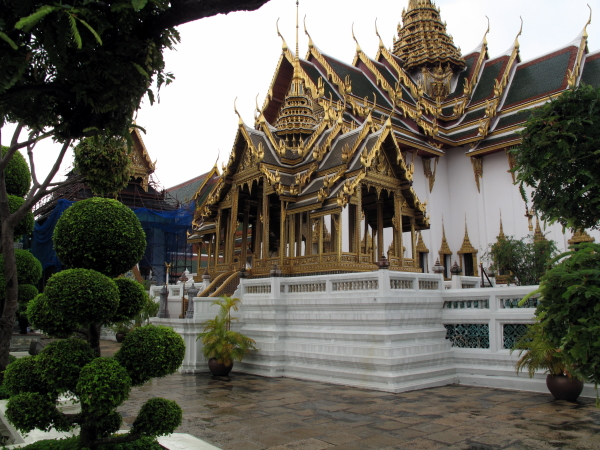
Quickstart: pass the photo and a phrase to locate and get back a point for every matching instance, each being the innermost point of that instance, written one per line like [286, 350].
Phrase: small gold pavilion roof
[423, 40]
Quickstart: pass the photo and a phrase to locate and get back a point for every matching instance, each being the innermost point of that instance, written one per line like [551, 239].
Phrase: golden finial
[240, 122]
[538, 235]
[520, 32]
[501, 235]
[284, 45]
[310, 41]
[377, 34]
[355, 40]
[297, 27]
[487, 31]
[585, 35]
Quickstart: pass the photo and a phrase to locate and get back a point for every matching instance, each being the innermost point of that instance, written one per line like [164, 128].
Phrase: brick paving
[255, 413]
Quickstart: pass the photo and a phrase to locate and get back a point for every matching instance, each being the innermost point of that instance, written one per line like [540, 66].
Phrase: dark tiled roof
[463, 134]
[448, 110]
[314, 75]
[314, 186]
[474, 115]
[485, 86]
[256, 139]
[361, 85]
[507, 121]
[385, 73]
[208, 187]
[458, 90]
[591, 71]
[497, 140]
[184, 192]
[334, 158]
[539, 77]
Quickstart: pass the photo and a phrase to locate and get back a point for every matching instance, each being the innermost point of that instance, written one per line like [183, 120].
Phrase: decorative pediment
[141, 164]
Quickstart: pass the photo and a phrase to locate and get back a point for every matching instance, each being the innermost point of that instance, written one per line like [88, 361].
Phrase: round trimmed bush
[109, 424]
[99, 234]
[103, 385]
[43, 317]
[158, 417]
[104, 163]
[132, 298]
[150, 352]
[31, 410]
[20, 376]
[60, 363]
[17, 174]
[84, 295]
[25, 226]
[29, 269]
[27, 292]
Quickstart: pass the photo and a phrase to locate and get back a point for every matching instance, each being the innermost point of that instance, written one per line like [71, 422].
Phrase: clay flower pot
[564, 388]
[218, 369]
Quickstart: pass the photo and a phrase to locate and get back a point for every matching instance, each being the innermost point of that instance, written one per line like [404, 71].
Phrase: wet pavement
[252, 413]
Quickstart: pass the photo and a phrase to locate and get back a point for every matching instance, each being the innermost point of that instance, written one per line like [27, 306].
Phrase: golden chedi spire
[296, 119]
[423, 40]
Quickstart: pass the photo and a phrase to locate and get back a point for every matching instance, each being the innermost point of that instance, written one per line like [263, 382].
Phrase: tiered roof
[371, 115]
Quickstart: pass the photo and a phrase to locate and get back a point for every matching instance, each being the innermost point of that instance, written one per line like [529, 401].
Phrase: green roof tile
[485, 86]
[507, 121]
[474, 115]
[539, 77]
[458, 90]
[591, 72]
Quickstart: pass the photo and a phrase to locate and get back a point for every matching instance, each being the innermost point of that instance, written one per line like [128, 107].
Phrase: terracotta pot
[218, 369]
[564, 388]
[120, 337]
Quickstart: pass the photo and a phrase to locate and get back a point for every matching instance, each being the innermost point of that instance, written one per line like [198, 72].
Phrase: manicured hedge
[132, 298]
[99, 234]
[17, 175]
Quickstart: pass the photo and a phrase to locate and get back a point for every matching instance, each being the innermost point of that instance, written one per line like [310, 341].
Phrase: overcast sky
[231, 56]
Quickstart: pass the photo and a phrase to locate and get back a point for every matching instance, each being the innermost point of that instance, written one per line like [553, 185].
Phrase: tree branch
[184, 11]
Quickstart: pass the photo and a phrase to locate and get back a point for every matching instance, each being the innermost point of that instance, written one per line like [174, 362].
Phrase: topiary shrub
[99, 234]
[158, 417]
[25, 226]
[151, 352]
[84, 295]
[103, 385]
[21, 376]
[29, 269]
[132, 299]
[60, 363]
[17, 174]
[27, 292]
[43, 317]
[104, 163]
[30, 410]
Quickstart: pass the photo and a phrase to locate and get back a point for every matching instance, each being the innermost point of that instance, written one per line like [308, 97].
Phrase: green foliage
[29, 269]
[99, 234]
[43, 317]
[109, 423]
[158, 417]
[27, 292]
[103, 385]
[4, 394]
[85, 296]
[132, 299]
[25, 225]
[559, 158]
[104, 163]
[570, 310]
[17, 175]
[21, 376]
[81, 67]
[58, 365]
[536, 353]
[219, 341]
[527, 258]
[31, 410]
[151, 352]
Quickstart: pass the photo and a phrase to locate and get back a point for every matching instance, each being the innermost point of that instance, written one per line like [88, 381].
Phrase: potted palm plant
[221, 345]
[537, 353]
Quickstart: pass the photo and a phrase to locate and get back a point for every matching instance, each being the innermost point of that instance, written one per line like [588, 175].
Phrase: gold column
[282, 242]
[292, 235]
[298, 236]
[338, 231]
[413, 237]
[265, 220]
[309, 238]
[380, 248]
[218, 238]
[320, 228]
[245, 236]
[257, 231]
[398, 227]
[230, 247]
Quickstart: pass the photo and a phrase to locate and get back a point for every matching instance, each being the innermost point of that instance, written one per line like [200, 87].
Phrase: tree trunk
[94, 338]
[89, 433]
[8, 308]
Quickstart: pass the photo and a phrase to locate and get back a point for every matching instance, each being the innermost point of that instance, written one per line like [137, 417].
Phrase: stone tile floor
[252, 413]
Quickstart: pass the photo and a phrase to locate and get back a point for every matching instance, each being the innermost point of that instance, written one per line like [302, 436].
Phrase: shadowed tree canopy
[82, 67]
[560, 159]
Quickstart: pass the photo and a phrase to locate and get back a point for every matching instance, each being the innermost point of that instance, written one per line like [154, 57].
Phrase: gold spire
[296, 118]
[421, 247]
[579, 237]
[501, 235]
[538, 235]
[466, 247]
[423, 40]
[445, 248]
